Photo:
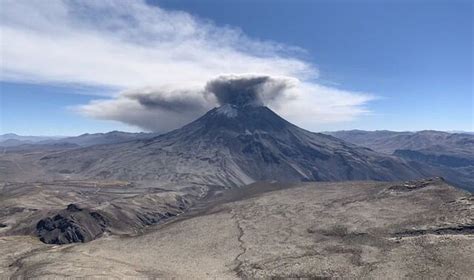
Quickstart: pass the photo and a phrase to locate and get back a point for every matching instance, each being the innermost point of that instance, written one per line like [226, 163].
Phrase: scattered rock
[414, 185]
[453, 230]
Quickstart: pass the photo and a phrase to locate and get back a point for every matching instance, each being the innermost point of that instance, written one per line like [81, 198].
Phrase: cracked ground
[350, 230]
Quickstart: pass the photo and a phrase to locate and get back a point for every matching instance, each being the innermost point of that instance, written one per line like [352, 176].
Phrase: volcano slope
[232, 145]
[345, 230]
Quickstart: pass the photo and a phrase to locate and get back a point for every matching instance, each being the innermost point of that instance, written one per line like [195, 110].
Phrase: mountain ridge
[450, 155]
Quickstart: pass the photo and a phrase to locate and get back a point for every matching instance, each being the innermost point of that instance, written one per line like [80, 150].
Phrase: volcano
[232, 145]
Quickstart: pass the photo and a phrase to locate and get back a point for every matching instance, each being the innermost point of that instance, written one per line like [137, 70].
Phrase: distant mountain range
[389, 141]
[383, 141]
[84, 140]
[235, 145]
[112, 137]
[12, 139]
[449, 154]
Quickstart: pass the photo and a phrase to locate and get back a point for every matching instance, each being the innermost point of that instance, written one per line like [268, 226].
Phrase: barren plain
[345, 230]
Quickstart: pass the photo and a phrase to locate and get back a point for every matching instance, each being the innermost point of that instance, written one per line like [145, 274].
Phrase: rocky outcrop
[71, 225]
[416, 184]
[124, 216]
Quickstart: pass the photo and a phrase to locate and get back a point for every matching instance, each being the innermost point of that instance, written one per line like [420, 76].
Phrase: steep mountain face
[231, 145]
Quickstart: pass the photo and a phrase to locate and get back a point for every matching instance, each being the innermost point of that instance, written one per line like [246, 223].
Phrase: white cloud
[322, 105]
[130, 45]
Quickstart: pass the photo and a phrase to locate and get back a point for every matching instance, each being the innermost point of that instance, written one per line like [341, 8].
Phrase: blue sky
[404, 65]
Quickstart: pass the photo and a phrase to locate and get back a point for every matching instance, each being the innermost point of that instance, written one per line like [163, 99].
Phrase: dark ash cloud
[152, 109]
[162, 109]
[244, 90]
[173, 100]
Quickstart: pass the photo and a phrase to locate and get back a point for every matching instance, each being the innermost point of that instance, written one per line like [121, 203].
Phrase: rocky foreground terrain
[62, 212]
[345, 230]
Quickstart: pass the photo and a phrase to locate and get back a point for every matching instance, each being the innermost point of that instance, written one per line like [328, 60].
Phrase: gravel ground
[347, 230]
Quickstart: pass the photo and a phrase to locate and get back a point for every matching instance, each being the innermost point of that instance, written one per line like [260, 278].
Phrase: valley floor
[347, 230]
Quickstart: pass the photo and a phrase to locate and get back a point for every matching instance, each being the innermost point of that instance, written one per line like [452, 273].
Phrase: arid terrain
[174, 139]
[346, 230]
[238, 193]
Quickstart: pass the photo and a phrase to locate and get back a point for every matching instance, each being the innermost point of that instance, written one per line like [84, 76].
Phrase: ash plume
[169, 100]
[154, 109]
[164, 108]
[245, 90]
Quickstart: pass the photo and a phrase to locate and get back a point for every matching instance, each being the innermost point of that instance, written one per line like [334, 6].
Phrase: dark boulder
[71, 225]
